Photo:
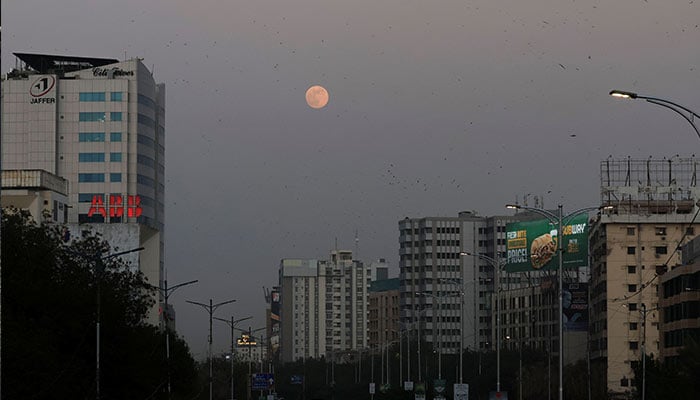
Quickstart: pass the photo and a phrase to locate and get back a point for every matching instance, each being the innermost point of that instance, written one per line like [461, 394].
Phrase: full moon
[317, 97]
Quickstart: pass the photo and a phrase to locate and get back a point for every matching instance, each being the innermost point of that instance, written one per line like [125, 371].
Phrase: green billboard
[533, 246]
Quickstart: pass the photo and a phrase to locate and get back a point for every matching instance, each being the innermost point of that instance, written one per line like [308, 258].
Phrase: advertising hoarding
[533, 245]
[575, 299]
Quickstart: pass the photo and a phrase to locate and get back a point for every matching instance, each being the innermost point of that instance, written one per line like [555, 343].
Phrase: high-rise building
[438, 281]
[654, 214]
[679, 305]
[323, 307]
[99, 124]
[384, 327]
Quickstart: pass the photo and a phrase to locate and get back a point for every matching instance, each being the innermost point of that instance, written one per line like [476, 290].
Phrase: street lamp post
[436, 324]
[497, 264]
[99, 260]
[558, 219]
[687, 114]
[166, 292]
[210, 308]
[461, 324]
[232, 323]
[644, 312]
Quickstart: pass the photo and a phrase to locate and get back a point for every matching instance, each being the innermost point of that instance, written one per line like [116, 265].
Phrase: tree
[48, 319]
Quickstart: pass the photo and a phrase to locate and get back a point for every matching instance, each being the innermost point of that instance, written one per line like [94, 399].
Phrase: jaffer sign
[533, 245]
[116, 206]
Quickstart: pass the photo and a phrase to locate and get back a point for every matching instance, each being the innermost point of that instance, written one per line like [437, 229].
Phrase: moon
[317, 97]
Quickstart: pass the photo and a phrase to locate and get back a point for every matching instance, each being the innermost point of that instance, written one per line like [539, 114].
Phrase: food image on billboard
[533, 245]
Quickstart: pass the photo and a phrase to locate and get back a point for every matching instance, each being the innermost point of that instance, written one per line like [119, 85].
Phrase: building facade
[654, 202]
[679, 304]
[384, 313]
[99, 124]
[323, 307]
[444, 292]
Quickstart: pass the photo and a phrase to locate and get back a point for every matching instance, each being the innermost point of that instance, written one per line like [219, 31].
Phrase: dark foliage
[49, 297]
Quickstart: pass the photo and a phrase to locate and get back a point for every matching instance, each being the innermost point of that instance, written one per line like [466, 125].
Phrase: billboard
[575, 304]
[533, 245]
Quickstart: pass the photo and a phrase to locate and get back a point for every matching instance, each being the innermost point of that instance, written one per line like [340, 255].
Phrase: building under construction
[655, 212]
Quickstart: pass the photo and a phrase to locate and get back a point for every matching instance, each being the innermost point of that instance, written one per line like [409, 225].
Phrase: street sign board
[262, 381]
[439, 387]
[408, 385]
[493, 395]
[461, 391]
[371, 388]
[297, 379]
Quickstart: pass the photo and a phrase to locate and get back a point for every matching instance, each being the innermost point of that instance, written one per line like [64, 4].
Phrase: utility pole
[232, 324]
[210, 308]
[165, 291]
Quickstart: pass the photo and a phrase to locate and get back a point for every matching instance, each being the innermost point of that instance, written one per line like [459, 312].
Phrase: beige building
[383, 312]
[42, 194]
[654, 204]
[323, 307]
[529, 318]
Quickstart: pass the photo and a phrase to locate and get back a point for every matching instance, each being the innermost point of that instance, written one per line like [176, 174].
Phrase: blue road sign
[263, 381]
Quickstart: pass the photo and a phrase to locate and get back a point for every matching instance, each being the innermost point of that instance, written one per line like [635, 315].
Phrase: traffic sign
[263, 381]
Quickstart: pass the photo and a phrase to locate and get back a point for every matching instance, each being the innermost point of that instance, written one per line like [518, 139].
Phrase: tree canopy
[49, 303]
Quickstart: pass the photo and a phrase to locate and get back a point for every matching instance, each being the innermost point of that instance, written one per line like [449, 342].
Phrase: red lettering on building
[134, 209]
[116, 206]
[97, 206]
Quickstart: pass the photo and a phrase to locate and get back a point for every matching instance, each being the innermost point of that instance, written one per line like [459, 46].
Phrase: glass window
[146, 141]
[115, 177]
[146, 101]
[145, 120]
[661, 250]
[115, 137]
[91, 157]
[630, 231]
[115, 116]
[115, 96]
[145, 160]
[115, 157]
[91, 177]
[91, 96]
[660, 230]
[91, 116]
[631, 269]
[631, 250]
[91, 137]
[87, 197]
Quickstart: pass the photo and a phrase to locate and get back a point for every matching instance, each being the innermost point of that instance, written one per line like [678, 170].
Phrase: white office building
[444, 293]
[323, 307]
[99, 124]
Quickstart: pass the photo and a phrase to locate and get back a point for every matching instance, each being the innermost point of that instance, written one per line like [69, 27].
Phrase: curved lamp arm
[675, 107]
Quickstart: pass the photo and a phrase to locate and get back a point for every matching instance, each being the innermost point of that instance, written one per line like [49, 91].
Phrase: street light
[436, 323]
[497, 264]
[98, 259]
[461, 323]
[687, 114]
[558, 219]
[232, 323]
[210, 308]
[644, 312]
[166, 291]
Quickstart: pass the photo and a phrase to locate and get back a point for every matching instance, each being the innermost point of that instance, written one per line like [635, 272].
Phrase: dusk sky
[435, 107]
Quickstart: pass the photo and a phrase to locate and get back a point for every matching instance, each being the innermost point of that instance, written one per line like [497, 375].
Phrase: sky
[435, 107]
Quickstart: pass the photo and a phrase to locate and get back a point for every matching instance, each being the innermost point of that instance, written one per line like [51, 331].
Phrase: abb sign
[116, 206]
